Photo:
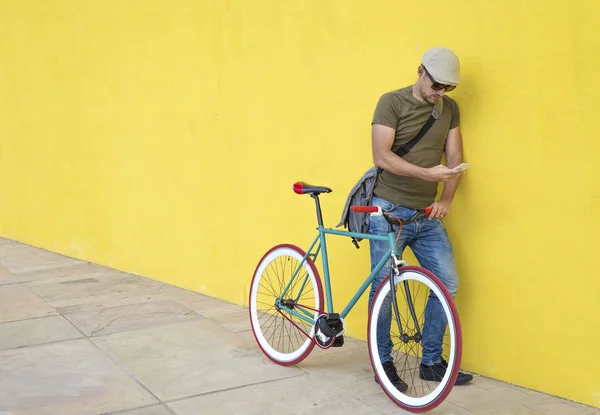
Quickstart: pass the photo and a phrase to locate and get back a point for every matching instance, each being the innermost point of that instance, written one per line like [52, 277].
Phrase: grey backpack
[361, 195]
[362, 192]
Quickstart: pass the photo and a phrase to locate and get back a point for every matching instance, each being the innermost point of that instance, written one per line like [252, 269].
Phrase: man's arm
[453, 149]
[454, 157]
[382, 138]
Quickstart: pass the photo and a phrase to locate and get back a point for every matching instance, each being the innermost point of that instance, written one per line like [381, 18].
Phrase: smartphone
[463, 166]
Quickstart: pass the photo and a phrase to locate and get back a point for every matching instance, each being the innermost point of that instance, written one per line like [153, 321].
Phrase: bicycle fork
[397, 263]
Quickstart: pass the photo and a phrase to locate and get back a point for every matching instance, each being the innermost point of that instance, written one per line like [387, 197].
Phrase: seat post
[319, 215]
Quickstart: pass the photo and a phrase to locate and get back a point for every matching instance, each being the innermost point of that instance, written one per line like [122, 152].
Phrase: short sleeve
[386, 112]
[454, 114]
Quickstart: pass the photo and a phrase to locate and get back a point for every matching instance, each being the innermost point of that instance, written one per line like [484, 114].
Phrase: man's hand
[441, 173]
[440, 209]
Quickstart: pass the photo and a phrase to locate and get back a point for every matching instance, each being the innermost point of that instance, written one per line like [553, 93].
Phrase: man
[409, 183]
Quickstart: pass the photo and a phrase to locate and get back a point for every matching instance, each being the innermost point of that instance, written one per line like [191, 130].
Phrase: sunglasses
[436, 86]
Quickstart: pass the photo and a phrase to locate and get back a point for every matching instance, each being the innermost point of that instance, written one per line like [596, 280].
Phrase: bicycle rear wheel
[432, 306]
[284, 337]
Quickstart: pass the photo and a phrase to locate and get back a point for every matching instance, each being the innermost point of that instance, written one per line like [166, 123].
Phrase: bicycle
[288, 319]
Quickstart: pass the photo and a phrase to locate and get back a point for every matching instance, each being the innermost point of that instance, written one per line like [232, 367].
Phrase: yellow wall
[162, 138]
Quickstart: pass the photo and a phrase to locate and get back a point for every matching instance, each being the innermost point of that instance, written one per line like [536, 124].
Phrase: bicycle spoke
[272, 292]
[272, 319]
[275, 291]
[279, 272]
[284, 265]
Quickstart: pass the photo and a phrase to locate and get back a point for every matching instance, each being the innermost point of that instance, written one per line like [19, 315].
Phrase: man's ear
[420, 71]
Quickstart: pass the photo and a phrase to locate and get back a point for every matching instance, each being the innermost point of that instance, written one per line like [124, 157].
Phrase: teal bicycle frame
[321, 243]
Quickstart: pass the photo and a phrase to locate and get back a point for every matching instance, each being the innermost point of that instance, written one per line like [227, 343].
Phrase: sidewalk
[78, 338]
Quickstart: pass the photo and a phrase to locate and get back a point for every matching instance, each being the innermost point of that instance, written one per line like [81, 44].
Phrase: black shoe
[390, 371]
[436, 372]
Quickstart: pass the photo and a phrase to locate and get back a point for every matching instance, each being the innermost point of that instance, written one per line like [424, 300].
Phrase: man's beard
[430, 98]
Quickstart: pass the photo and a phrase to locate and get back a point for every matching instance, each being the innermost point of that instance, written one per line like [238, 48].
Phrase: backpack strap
[435, 114]
[405, 148]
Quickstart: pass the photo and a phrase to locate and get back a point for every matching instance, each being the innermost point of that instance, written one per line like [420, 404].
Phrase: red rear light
[298, 188]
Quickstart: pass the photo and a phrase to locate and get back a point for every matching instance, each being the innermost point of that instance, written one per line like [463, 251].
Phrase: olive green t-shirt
[401, 111]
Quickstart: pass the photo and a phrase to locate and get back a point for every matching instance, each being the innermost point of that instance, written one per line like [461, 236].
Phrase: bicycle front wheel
[427, 323]
[286, 298]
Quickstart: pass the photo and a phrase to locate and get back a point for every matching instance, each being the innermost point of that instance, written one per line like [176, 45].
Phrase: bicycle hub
[406, 338]
[289, 304]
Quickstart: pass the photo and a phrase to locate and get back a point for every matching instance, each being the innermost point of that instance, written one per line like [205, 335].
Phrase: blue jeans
[429, 242]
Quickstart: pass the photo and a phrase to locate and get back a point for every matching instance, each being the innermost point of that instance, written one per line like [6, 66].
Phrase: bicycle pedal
[330, 324]
[339, 342]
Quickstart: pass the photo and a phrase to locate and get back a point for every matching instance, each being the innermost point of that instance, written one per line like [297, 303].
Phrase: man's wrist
[420, 173]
